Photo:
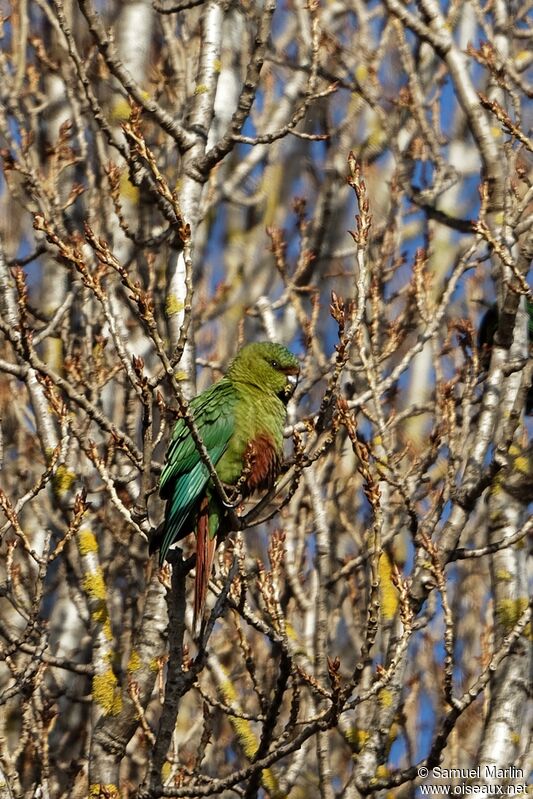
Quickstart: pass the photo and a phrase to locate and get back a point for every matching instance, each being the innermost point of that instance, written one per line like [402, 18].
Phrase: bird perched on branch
[487, 331]
[240, 420]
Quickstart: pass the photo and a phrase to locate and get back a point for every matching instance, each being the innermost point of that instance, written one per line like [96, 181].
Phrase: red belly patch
[261, 464]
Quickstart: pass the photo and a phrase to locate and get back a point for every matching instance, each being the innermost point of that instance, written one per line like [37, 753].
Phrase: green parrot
[240, 420]
[487, 331]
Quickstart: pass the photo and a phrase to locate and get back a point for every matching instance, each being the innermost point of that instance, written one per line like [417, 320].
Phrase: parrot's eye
[274, 364]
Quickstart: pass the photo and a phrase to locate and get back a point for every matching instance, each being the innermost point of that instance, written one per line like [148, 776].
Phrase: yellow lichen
[522, 56]
[99, 614]
[93, 584]
[361, 73]
[291, 632]
[217, 65]
[106, 693]
[87, 541]
[63, 480]
[134, 662]
[293, 636]
[246, 736]
[385, 697]
[127, 190]
[522, 464]
[201, 89]
[173, 305]
[248, 741]
[121, 109]
[388, 592]
[270, 784]
[376, 137]
[100, 790]
[508, 611]
[104, 615]
[357, 738]
[503, 575]
[228, 691]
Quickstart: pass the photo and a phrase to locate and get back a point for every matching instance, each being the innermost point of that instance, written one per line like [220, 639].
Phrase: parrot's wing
[185, 476]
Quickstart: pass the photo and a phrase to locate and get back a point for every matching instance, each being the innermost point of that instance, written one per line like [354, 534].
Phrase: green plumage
[240, 420]
[184, 477]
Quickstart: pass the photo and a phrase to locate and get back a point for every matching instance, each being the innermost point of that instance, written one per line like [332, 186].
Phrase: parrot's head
[271, 367]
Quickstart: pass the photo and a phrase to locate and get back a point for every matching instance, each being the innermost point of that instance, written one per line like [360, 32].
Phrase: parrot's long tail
[205, 552]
